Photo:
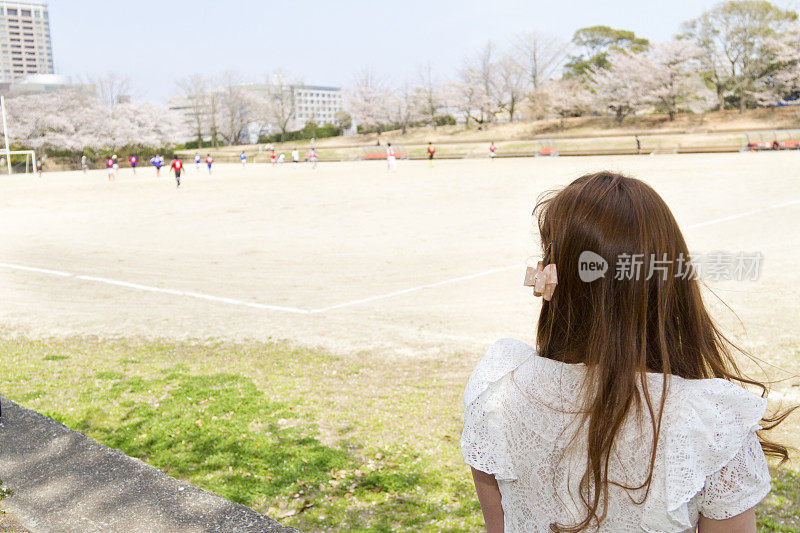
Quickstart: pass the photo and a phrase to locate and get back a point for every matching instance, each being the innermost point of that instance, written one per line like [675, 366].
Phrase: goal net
[22, 161]
[753, 141]
[545, 147]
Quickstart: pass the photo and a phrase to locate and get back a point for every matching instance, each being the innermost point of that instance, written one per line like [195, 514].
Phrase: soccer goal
[379, 152]
[545, 147]
[754, 141]
[21, 161]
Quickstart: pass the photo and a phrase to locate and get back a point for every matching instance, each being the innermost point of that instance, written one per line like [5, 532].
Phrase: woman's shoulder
[500, 360]
[712, 401]
[709, 428]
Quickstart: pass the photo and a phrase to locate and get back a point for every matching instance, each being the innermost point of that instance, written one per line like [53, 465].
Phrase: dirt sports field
[418, 264]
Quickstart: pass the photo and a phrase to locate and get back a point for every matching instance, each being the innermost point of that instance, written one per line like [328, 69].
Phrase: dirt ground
[360, 260]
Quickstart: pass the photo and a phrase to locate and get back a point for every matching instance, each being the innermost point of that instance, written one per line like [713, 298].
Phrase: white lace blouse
[520, 416]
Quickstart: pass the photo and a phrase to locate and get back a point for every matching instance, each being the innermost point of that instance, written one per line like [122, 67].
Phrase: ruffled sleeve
[712, 460]
[484, 444]
[740, 485]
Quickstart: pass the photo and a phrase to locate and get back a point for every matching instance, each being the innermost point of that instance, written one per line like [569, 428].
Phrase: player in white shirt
[391, 158]
[197, 161]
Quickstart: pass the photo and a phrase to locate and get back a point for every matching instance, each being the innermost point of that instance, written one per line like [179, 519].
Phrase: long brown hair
[623, 328]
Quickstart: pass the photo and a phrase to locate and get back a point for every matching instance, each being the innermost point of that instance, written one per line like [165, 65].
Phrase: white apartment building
[25, 47]
[316, 102]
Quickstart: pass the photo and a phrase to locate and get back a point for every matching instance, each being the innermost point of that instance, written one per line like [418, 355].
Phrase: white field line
[414, 289]
[295, 310]
[743, 214]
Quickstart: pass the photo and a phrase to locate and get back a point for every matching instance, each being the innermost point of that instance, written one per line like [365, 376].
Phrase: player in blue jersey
[157, 161]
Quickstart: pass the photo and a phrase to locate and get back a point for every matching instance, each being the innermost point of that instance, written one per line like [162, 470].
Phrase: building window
[12, 11]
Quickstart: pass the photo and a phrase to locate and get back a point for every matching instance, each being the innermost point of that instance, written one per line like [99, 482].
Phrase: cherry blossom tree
[623, 87]
[74, 120]
[567, 97]
[675, 82]
[405, 105]
[367, 99]
[784, 80]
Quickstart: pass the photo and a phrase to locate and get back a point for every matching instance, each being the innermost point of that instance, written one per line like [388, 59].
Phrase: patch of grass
[780, 511]
[55, 357]
[251, 431]
[5, 492]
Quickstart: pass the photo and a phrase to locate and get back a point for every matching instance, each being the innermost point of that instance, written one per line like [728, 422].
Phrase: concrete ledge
[66, 482]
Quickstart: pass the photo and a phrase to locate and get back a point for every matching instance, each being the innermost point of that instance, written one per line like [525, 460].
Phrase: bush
[193, 145]
[445, 120]
[309, 131]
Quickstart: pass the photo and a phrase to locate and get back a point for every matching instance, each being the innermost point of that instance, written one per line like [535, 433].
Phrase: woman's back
[520, 424]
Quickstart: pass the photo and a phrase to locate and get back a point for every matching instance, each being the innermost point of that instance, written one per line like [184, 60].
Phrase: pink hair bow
[543, 279]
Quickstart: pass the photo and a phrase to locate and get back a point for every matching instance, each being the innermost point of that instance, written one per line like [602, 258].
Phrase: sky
[155, 43]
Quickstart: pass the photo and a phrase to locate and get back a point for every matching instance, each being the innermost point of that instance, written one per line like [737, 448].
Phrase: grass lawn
[317, 440]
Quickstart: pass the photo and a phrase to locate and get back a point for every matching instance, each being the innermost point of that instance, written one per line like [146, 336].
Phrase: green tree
[738, 38]
[596, 42]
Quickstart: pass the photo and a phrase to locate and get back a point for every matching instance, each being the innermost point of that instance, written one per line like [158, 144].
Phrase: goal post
[18, 160]
[8, 155]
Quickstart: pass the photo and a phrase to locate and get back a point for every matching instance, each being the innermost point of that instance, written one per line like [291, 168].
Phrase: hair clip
[542, 278]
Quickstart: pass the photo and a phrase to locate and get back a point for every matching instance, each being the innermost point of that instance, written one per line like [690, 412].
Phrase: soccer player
[116, 164]
[197, 161]
[110, 168]
[39, 167]
[272, 157]
[296, 155]
[84, 164]
[157, 161]
[391, 159]
[431, 151]
[177, 167]
[492, 150]
[209, 162]
[312, 156]
[133, 160]
[243, 157]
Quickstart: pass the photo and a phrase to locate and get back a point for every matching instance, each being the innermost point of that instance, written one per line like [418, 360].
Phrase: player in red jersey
[431, 152]
[177, 167]
[110, 168]
[209, 162]
[272, 157]
[492, 150]
[133, 160]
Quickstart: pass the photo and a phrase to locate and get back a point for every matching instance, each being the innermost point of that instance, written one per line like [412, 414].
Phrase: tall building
[316, 103]
[24, 40]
